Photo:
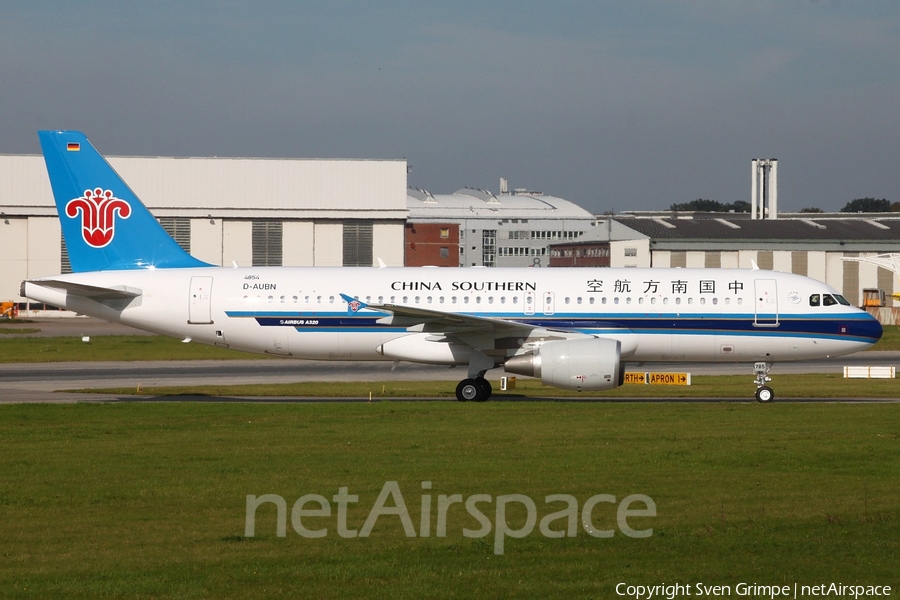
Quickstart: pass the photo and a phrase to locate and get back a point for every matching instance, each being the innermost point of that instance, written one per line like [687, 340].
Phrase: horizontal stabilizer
[94, 292]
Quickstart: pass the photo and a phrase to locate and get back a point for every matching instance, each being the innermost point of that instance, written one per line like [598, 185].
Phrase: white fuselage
[722, 315]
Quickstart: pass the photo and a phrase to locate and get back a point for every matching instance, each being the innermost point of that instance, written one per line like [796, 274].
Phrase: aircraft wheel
[484, 388]
[765, 394]
[468, 390]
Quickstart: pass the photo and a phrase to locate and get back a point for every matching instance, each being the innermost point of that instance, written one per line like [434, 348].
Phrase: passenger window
[814, 300]
[828, 300]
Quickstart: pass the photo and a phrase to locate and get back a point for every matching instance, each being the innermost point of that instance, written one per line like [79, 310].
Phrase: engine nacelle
[580, 364]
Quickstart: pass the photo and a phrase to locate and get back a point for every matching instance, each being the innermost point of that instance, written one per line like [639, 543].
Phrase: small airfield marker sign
[658, 378]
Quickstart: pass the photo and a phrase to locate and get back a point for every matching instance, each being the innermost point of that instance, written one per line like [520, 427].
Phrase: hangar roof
[470, 203]
[806, 229]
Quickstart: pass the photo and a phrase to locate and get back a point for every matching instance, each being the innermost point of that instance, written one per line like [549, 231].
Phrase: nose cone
[868, 328]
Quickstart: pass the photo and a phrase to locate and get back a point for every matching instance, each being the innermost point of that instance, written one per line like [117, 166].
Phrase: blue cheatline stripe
[845, 326]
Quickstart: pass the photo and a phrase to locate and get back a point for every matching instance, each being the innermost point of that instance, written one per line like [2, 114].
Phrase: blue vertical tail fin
[104, 224]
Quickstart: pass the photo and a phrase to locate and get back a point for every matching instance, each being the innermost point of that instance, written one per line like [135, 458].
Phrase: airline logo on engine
[98, 210]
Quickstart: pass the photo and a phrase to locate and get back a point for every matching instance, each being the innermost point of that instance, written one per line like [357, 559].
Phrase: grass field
[148, 500]
[64, 349]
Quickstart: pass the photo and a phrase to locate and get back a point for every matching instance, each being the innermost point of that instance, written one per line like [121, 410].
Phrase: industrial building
[814, 245]
[509, 229]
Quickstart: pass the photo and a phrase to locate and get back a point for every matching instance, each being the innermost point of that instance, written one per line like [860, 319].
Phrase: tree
[811, 209]
[867, 205]
[701, 205]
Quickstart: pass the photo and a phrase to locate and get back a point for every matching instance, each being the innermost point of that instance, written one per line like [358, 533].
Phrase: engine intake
[580, 364]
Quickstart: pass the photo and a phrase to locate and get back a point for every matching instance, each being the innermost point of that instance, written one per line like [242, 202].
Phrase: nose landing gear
[763, 392]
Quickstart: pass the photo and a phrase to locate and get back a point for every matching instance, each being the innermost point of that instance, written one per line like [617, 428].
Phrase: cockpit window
[814, 300]
[842, 300]
[828, 300]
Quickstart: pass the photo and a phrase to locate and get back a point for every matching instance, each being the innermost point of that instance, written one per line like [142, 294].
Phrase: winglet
[353, 305]
[753, 265]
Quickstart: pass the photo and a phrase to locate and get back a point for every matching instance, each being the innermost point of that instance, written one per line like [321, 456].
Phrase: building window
[179, 229]
[267, 243]
[357, 243]
[445, 252]
[488, 247]
[630, 251]
[445, 233]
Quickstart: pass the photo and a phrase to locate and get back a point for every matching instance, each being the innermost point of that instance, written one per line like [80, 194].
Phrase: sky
[616, 106]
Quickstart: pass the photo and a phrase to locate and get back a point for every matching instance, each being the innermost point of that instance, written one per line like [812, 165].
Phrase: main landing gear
[477, 389]
[763, 392]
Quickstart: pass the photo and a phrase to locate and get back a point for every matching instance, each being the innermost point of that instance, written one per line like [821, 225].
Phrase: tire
[765, 394]
[484, 389]
[468, 390]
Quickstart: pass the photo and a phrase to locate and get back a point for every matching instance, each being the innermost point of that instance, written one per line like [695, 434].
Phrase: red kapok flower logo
[98, 215]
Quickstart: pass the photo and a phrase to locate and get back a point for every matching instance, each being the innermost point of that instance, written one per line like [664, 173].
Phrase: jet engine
[579, 364]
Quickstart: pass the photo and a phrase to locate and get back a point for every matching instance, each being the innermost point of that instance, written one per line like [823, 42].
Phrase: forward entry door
[766, 300]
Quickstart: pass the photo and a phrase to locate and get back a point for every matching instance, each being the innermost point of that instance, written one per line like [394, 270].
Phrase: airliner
[571, 328]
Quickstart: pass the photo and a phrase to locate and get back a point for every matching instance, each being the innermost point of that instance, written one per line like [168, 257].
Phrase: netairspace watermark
[752, 590]
[557, 524]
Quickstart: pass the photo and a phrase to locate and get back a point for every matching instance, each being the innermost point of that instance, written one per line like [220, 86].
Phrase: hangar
[292, 212]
